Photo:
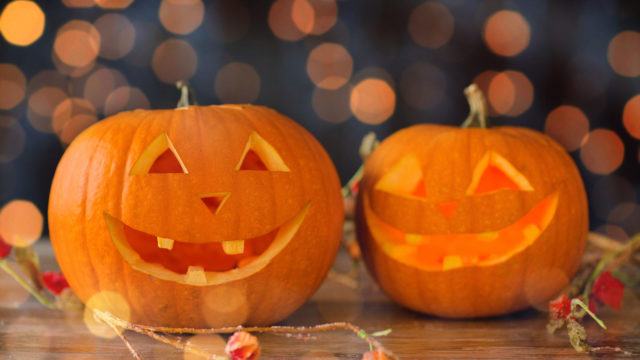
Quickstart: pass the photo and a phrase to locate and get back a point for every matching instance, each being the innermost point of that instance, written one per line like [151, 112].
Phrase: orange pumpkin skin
[447, 158]
[96, 184]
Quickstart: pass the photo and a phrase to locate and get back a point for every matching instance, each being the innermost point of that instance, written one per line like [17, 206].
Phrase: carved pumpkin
[199, 216]
[470, 222]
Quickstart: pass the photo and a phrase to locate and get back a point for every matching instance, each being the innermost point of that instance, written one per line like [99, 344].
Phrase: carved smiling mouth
[435, 252]
[200, 264]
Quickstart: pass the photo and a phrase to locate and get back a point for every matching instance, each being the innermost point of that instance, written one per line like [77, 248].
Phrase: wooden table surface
[29, 331]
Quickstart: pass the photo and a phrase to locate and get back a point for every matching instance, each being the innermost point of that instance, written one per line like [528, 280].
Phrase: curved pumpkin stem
[477, 108]
[187, 96]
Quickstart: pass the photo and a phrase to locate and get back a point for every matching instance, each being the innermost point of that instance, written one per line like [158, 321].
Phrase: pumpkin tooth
[196, 276]
[165, 243]
[233, 247]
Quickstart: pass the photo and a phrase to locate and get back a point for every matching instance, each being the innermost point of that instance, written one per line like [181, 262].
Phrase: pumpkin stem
[477, 108]
[187, 95]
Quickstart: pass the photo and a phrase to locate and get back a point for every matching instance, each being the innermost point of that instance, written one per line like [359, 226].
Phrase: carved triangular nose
[214, 202]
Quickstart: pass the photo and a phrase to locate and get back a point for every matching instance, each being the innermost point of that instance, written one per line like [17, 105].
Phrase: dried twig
[153, 331]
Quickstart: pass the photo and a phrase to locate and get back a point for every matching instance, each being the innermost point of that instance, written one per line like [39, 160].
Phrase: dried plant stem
[42, 299]
[342, 279]
[152, 331]
[611, 261]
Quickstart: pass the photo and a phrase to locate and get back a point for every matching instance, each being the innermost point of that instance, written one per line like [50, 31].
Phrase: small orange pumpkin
[470, 222]
[197, 217]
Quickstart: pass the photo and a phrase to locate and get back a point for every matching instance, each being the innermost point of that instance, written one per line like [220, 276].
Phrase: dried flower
[608, 290]
[242, 346]
[54, 282]
[5, 249]
[560, 308]
[374, 355]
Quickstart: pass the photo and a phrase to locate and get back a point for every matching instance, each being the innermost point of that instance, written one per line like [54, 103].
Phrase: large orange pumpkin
[470, 222]
[199, 216]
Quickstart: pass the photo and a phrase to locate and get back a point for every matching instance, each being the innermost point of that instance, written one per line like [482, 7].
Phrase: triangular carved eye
[404, 178]
[259, 155]
[494, 173]
[160, 157]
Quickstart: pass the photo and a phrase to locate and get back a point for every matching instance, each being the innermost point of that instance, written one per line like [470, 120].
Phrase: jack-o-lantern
[198, 216]
[470, 222]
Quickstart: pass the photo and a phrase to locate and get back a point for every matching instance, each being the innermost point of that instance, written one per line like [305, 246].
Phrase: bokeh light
[507, 33]
[12, 86]
[81, 4]
[12, 139]
[113, 4]
[204, 346]
[237, 82]
[613, 231]
[602, 152]
[631, 116]
[423, 85]
[510, 93]
[125, 98]
[117, 35]
[372, 101]
[20, 223]
[332, 105]
[42, 102]
[325, 15]
[624, 53]
[181, 17]
[568, 125]
[107, 301]
[22, 22]
[281, 19]
[77, 43]
[72, 116]
[483, 80]
[174, 60]
[100, 84]
[329, 65]
[224, 305]
[431, 24]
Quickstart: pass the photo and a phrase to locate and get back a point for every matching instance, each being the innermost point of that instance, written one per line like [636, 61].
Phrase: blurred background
[339, 68]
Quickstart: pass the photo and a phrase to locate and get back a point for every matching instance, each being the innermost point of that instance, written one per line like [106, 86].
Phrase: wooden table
[28, 331]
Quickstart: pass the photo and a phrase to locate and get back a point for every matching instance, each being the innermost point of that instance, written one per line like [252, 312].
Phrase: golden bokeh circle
[117, 35]
[22, 22]
[113, 4]
[13, 85]
[624, 53]
[21, 223]
[631, 116]
[372, 101]
[423, 85]
[507, 33]
[281, 19]
[12, 139]
[174, 60]
[237, 82]
[329, 66]
[125, 98]
[602, 151]
[105, 301]
[181, 17]
[77, 43]
[431, 24]
[568, 125]
[332, 105]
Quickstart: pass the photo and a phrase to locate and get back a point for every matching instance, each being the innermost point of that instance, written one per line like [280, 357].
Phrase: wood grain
[29, 331]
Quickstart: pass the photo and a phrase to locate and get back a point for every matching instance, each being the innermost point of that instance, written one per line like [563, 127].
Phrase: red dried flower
[560, 308]
[242, 346]
[54, 282]
[608, 290]
[5, 249]
[374, 355]
[355, 187]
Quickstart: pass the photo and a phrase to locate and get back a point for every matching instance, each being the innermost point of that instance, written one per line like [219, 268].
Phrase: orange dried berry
[374, 355]
[242, 346]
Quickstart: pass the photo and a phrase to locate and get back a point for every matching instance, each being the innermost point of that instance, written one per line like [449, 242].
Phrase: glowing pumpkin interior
[436, 252]
[209, 263]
